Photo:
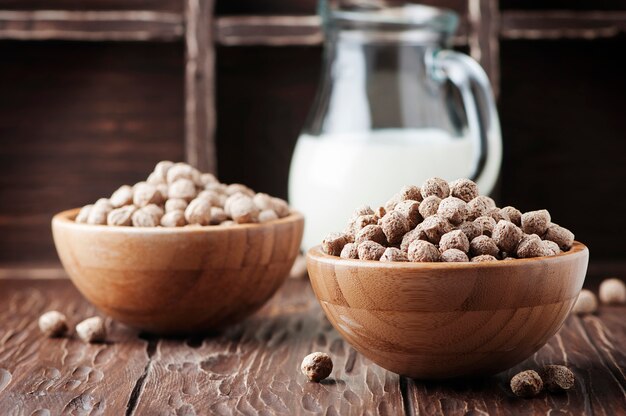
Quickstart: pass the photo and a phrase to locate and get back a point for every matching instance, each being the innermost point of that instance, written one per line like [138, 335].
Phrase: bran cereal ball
[53, 324]
[266, 215]
[471, 229]
[220, 188]
[360, 222]
[531, 246]
[207, 178]
[612, 292]
[121, 216]
[349, 251]
[263, 201]
[506, 236]
[317, 366]
[179, 171]
[362, 210]
[551, 247]
[334, 243]
[161, 168]
[371, 233]
[381, 211]
[557, 378]
[281, 208]
[415, 234]
[536, 222]
[99, 212]
[155, 210]
[198, 212]
[392, 202]
[182, 189]
[429, 206]
[215, 199]
[394, 225]
[122, 196]
[486, 224]
[145, 218]
[92, 330]
[145, 194]
[479, 206]
[526, 384]
[370, 250]
[173, 219]
[514, 214]
[423, 251]
[453, 255]
[218, 215]
[483, 258]
[464, 189]
[586, 303]
[394, 254]
[410, 193]
[563, 237]
[175, 204]
[410, 210]
[455, 239]
[434, 227]
[83, 214]
[239, 188]
[483, 245]
[453, 209]
[435, 186]
[242, 210]
[498, 215]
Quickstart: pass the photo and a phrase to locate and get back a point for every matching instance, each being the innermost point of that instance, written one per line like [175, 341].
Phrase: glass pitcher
[394, 107]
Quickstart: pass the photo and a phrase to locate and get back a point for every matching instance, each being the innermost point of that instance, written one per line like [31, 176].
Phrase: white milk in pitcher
[333, 175]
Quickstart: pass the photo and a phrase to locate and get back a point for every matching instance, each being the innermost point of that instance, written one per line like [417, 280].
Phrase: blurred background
[94, 93]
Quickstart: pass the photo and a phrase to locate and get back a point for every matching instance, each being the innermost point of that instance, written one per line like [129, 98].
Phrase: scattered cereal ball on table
[557, 378]
[435, 186]
[514, 214]
[452, 209]
[464, 189]
[434, 227]
[394, 254]
[526, 384]
[479, 206]
[429, 206]
[409, 210]
[173, 219]
[370, 250]
[123, 196]
[536, 222]
[531, 246]
[121, 216]
[92, 330]
[349, 251]
[507, 236]
[371, 233]
[394, 226]
[482, 245]
[486, 224]
[586, 303]
[334, 243]
[53, 324]
[453, 255]
[423, 251]
[612, 292]
[455, 239]
[483, 258]
[560, 235]
[317, 366]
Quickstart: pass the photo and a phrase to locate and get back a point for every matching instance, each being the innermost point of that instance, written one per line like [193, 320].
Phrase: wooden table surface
[253, 368]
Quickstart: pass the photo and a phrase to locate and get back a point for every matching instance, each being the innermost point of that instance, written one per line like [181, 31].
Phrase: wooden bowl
[442, 320]
[178, 280]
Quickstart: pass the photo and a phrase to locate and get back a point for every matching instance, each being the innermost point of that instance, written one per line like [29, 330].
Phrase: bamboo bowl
[178, 280]
[443, 320]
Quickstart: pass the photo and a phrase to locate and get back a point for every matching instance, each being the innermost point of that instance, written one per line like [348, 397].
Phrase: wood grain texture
[171, 6]
[437, 320]
[221, 274]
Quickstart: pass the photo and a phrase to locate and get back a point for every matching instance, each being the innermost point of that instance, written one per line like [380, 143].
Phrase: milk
[333, 175]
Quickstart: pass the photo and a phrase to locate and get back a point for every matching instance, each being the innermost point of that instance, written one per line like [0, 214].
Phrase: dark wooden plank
[254, 368]
[597, 391]
[562, 5]
[46, 376]
[200, 86]
[269, 30]
[175, 6]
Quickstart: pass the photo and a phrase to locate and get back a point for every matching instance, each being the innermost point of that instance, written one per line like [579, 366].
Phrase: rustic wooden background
[92, 94]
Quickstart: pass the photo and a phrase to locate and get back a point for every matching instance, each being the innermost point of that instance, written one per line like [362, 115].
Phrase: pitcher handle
[482, 117]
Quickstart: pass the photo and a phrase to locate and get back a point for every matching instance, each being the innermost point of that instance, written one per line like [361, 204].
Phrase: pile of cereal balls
[446, 222]
[176, 195]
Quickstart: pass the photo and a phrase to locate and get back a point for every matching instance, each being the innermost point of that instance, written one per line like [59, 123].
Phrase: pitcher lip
[409, 16]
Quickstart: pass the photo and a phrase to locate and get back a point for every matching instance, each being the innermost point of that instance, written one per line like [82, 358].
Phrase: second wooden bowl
[442, 320]
[178, 280]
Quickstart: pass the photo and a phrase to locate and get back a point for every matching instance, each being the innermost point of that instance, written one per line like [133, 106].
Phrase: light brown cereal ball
[435, 186]
[536, 222]
[498, 215]
[263, 201]
[471, 229]
[507, 235]
[145, 217]
[483, 245]
[267, 215]
[410, 193]
[410, 210]
[394, 254]
[99, 212]
[415, 234]
[371, 233]
[560, 235]
[453, 255]
[360, 222]
[220, 188]
[453, 209]
[394, 225]
[161, 169]
[349, 251]
[455, 239]
[333, 243]
[122, 196]
[557, 378]
[175, 204]
[381, 211]
[363, 210]
[121, 216]
[163, 189]
[486, 224]
[83, 214]
[92, 330]
[479, 206]
[243, 210]
[215, 199]
[552, 248]
[218, 215]
[53, 324]
[586, 303]
[281, 208]
[173, 219]
[429, 206]
[423, 251]
[370, 250]
[392, 202]
[434, 227]
[198, 212]
[317, 366]
[155, 210]
[182, 189]
[464, 189]
[145, 194]
[531, 246]
[155, 179]
[483, 258]
[207, 178]
[515, 216]
[179, 171]
[612, 292]
[238, 188]
[526, 384]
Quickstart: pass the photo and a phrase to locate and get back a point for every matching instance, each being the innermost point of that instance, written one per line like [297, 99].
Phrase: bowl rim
[66, 219]
[316, 254]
